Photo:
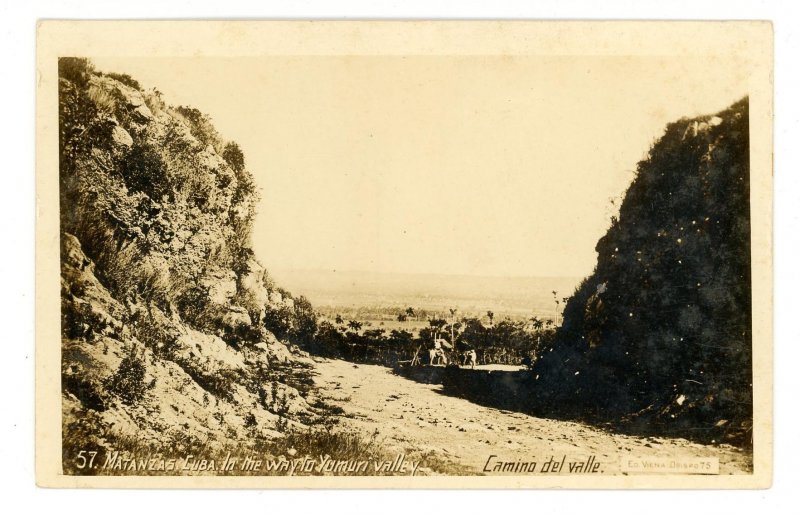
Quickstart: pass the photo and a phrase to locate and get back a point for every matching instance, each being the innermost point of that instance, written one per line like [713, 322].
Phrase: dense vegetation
[504, 342]
[660, 334]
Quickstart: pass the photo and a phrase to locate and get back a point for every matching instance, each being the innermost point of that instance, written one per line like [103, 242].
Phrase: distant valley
[515, 297]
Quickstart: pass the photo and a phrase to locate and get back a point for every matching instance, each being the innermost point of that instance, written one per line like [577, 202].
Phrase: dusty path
[411, 416]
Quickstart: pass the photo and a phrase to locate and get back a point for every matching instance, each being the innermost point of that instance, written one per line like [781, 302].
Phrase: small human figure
[472, 358]
[442, 356]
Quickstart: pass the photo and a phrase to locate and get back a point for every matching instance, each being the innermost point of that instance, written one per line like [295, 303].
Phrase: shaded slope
[659, 336]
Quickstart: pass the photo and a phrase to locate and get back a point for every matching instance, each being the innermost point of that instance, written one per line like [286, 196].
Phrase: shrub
[201, 126]
[128, 381]
[75, 69]
[245, 187]
[192, 304]
[219, 384]
[304, 327]
[154, 101]
[104, 100]
[76, 116]
[85, 390]
[144, 170]
[278, 321]
[233, 156]
[125, 79]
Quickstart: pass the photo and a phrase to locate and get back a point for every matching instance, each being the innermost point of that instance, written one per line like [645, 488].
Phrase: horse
[435, 354]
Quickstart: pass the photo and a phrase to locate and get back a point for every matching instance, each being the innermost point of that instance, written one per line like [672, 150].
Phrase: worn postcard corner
[404, 254]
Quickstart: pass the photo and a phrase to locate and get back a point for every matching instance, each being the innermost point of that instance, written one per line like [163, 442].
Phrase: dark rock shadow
[507, 390]
[517, 391]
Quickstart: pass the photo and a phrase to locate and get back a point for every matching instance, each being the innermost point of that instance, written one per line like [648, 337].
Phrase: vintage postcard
[404, 254]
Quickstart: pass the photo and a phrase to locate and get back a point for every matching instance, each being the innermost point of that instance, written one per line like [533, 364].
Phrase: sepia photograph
[477, 255]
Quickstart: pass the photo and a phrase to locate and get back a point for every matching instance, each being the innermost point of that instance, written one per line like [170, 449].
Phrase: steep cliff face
[661, 332]
[163, 302]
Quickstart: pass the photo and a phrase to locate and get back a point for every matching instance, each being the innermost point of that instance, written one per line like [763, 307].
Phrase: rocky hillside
[164, 344]
[659, 337]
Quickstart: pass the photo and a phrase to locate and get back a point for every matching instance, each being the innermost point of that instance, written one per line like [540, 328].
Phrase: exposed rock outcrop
[163, 303]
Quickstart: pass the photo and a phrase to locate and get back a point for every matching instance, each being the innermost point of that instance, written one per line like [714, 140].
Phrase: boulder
[277, 350]
[235, 317]
[221, 286]
[72, 254]
[205, 354]
[120, 137]
[142, 114]
[253, 292]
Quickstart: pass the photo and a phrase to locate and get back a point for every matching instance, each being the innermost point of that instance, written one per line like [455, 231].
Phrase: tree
[305, 325]
[452, 327]
[403, 339]
[491, 317]
[354, 325]
[374, 335]
[233, 156]
[436, 325]
[330, 341]
[278, 321]
[555, 299]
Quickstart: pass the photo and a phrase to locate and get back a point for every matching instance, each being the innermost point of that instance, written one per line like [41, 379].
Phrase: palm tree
[555, 298]
[436, 325]
[491, 317]
[452, 327]
[354, 325]
[410, 312]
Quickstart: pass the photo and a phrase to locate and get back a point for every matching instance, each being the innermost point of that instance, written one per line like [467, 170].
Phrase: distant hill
[504, 295]
[660, 334]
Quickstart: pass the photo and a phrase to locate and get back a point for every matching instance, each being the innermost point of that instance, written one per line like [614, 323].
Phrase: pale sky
[482, 165]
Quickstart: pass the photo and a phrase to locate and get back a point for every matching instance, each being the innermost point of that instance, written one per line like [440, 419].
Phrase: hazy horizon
[336, 290]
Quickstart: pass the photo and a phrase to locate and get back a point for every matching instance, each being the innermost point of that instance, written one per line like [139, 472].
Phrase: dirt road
[412, 416]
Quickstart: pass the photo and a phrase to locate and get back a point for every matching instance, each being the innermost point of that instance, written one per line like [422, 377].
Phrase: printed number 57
[81, 458]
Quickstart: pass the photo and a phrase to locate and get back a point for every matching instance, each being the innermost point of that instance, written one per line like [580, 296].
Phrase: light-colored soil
[415, 417]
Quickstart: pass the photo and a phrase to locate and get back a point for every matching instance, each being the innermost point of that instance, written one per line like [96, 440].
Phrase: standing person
[436, 353]
[472, 358]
